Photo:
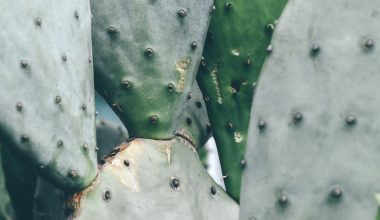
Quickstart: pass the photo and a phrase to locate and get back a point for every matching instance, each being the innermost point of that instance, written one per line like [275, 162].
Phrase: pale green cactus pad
[47, 103]
[149, 179]
[313, 150]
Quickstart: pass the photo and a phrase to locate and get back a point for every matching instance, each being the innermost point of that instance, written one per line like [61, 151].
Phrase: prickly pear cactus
[194, 125]
[151, 179]
[49, 118]
[5, 202]
[235, 49]
[146, 55]
[20, 181]
[313, 150]
[109, 136]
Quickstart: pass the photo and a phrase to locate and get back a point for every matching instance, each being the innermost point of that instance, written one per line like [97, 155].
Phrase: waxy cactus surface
[47, 104]
[308, 146]
[237, 44]
[146, 56]
[150, 179]
[313, 150]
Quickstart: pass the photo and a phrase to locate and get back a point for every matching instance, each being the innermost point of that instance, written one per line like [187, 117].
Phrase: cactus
[194, 125]
[145, 177]
[313, 147]
[235, 49]
[146, 55]
[312, 137]
[48, 111]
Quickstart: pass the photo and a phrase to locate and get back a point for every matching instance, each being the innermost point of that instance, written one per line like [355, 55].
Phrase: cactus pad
[234, 52]
[149, 179]
[146, 56]
[47, 102]
[314, 149]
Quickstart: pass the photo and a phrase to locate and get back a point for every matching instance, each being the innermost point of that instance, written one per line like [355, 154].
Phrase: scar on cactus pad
[143, 72]
[235, 49]
[143, 170]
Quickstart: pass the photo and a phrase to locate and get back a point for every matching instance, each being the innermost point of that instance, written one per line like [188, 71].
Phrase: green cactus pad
[47, 103]
[108, 136]
[150, 179]
[313, 150]
[235, 49]
[146, 56]
[194, 125]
